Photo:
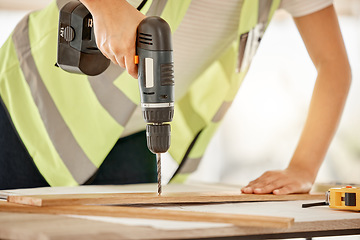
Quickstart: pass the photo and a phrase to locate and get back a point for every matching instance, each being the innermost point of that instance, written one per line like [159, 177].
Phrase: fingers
[284, 190]
[124, 57]
[269, 188]
[104, 48]
[116, 54]
[264, 184]
[262, 188]
[130, 65]
[294, 187]
[118, 48]
[279, 183]
[119, 60]
[276, 188]
[115, 25]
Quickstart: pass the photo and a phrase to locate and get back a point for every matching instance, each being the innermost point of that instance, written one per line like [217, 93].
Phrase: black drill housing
[156, 80]
[77, 49]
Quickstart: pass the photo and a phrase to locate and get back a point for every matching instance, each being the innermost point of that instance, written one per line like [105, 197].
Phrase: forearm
[322, 37]
[326, 107]
[327, 103]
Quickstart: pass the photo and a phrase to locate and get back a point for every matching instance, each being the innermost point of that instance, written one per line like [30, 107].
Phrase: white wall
[23, 4]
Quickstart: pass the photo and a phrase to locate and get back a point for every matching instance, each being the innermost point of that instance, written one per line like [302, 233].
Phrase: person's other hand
[115, 24]
[281, 182]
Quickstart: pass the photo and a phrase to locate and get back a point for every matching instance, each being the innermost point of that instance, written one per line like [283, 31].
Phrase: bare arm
[115, 24]
[321, 34]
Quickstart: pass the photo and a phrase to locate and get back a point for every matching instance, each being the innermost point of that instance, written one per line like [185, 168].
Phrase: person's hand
[281, 182]
[115, 24]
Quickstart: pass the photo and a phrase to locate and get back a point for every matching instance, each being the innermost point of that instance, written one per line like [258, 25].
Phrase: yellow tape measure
[345, 198]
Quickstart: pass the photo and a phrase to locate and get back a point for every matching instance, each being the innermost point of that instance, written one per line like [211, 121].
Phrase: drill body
[78, 53]
[156, 84]
[156, 80]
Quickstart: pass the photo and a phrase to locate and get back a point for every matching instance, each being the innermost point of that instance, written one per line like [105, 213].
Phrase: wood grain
[149, 213]
[153, 198]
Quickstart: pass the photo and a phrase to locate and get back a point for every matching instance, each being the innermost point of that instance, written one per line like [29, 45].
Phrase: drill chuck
[158, 137]
[158, 113]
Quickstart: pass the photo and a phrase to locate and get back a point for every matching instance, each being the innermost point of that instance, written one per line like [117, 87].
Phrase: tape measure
[345, 198]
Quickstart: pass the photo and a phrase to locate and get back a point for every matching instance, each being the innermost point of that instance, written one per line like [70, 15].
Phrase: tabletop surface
[310, 222]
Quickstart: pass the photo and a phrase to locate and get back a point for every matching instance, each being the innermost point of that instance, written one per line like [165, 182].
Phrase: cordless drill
[78, 53]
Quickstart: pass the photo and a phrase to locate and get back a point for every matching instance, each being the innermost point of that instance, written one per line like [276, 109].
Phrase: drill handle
[155, 66]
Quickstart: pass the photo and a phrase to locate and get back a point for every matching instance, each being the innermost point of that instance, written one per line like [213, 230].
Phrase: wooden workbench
[38, 226]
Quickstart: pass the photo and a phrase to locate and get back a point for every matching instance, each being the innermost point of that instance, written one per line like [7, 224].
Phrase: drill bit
[158, 158]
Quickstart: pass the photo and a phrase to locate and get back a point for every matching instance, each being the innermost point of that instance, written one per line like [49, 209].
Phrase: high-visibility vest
[69, 123]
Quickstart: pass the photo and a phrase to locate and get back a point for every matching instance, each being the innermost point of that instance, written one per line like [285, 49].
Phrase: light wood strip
[149, 213]
[153, 198]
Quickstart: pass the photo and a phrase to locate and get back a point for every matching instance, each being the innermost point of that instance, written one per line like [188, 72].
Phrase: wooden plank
[149, 213]
[22, 226]
[153, 198]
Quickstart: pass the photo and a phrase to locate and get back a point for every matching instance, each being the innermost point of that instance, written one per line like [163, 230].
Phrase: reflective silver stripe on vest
[64, 142]
[156, 8]
[249, 41]
[116, 103]
[264, 10]
[221, 111]
[190, 165]
[61, 3]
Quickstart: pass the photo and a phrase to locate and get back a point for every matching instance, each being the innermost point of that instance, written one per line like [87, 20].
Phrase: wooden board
[21, 226]
[148, 213]
[153, 198]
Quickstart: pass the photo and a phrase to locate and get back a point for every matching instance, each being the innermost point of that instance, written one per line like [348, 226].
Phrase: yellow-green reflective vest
[69, 123]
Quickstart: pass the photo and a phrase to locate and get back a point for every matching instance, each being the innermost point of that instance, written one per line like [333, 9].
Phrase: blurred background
[261, 129]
